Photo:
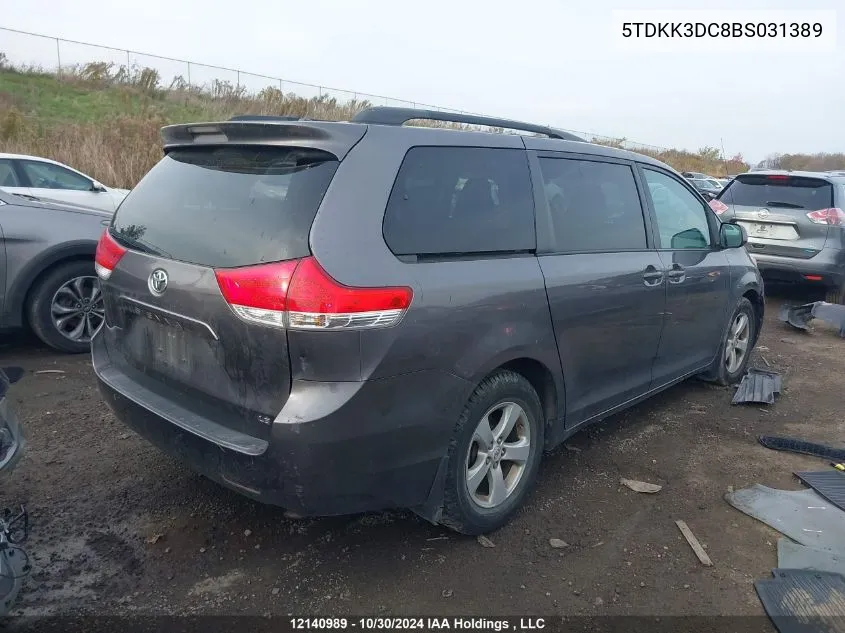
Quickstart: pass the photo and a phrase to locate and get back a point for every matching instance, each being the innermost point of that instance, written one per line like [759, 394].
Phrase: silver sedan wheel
[736, 347]
[77, 309]
[498, 454]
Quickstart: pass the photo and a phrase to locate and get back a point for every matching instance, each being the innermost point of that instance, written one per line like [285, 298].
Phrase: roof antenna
[724, 157]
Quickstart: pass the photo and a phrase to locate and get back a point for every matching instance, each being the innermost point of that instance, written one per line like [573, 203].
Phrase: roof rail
[263, 117]
[399, 116]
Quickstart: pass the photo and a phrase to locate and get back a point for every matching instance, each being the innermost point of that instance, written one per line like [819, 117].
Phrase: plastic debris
[801, 316]
[758, 386]
[640, 486]
[484, 541]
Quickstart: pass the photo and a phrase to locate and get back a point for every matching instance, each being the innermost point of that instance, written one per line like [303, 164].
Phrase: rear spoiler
[263, 117]
[335, 138]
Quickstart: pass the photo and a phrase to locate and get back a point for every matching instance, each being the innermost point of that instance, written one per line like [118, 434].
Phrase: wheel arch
[548, 384]
[28, 278]
[757, 301]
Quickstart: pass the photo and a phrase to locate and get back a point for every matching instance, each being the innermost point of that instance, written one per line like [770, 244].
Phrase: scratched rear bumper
[335, 448]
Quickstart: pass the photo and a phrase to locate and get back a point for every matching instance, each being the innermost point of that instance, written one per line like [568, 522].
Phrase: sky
[553, 62]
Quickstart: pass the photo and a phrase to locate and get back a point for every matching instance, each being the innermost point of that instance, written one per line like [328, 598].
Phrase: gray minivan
[338, 317]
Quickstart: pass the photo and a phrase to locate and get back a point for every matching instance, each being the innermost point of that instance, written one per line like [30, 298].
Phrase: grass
[104, 120]
[55, 102]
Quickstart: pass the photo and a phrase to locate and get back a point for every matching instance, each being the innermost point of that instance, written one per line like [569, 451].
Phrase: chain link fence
[27, 50]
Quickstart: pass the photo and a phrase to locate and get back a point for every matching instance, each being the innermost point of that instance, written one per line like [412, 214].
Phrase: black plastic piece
[830, 484]
[400, 116]
[800, 446]
[804, 601]
[9, 376]
[758, 386]
[14, 374]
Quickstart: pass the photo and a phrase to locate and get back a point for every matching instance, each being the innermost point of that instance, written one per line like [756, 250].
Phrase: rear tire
[490, 474]
[723, 371]
[836, 295]
[65, 297]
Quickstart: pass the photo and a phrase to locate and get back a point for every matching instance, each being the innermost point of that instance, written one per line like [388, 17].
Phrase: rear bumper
[829, 264]
[335, 448]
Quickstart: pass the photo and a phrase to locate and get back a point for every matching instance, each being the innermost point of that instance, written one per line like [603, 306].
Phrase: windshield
[702, 184]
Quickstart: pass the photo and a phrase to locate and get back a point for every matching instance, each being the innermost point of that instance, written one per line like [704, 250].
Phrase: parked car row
[708, 186]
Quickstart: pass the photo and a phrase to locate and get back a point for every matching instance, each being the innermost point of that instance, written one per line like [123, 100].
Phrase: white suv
[49, 180]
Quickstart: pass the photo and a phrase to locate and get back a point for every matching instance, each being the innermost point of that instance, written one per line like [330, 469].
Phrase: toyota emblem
[763, 213]
[157, 282]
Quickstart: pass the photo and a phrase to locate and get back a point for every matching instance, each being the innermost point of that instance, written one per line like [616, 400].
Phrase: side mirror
[691, 238]
[732, 235]
[97, 187]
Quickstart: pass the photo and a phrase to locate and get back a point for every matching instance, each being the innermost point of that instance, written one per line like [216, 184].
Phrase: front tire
[494, 455]
[737, 342]
[65, 307]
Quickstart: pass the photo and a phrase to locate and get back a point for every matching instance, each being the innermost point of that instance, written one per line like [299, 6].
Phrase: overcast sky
[547, 61]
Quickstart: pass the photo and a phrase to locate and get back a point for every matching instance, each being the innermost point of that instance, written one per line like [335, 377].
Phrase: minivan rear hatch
[783, 214]
[211, 220]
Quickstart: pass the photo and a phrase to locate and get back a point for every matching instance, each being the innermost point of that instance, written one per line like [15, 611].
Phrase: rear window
[461, 200]
[788, 193]
[227, 206]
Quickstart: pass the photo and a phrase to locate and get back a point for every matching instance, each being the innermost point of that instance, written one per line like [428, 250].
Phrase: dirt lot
[118, 528]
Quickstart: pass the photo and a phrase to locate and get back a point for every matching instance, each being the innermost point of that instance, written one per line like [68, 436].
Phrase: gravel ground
[119, 528]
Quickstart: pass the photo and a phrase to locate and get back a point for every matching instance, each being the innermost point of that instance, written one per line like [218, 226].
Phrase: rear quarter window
[461, 201]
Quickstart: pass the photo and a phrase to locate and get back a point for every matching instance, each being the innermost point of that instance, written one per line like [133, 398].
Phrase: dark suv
[795, 224]
[341, 317]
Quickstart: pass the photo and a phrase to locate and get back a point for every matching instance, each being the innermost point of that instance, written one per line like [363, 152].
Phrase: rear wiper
[785, 205]
[138, 245]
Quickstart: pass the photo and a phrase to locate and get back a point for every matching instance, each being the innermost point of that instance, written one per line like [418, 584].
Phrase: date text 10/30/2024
[418, 624]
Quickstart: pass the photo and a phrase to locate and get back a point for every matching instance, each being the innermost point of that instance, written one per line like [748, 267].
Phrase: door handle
[676, 274]
[652, 276]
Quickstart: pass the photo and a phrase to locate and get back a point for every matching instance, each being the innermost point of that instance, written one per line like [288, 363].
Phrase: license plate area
[162, 346]
[170, 349]
[770, 230]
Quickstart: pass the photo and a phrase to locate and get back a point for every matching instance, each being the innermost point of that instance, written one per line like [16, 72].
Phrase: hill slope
[105, 120]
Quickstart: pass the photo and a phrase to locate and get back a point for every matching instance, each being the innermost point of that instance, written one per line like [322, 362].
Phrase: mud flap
[830, 484]
[432, 509]
[804, 601]
[802, 515]
[794, 556]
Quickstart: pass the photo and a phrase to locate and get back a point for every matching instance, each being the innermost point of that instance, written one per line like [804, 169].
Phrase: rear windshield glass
[786, 193]
[227, 206]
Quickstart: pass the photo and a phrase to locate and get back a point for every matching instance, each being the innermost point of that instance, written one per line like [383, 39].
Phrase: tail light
[718, 206]
[299, 294]
[108, 254]
[831, 217]
[258, 293]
